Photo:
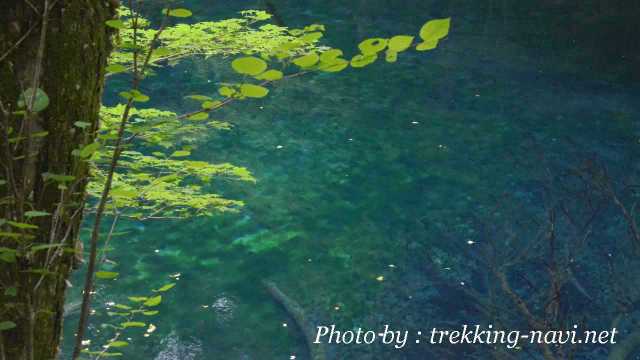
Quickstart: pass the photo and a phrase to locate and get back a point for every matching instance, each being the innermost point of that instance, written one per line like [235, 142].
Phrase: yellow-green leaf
[153, 301]
[330, 55]
[89, 149]
[181, 13]
[249, 65]
[372, 46]
[270, 75]
[427, 45]
[253, 91]
[400, 43]
[360, 60]
[128, 324]
[307, 60]
[435, 29]
[117, 344]
[391, 56]
[165, 287]
[115, 23]
[106, 275]
[334, 65]
[199, 116]
[116, 68]
[181, 153]
[226, 91]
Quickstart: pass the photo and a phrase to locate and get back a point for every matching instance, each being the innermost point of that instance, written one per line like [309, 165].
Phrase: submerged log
[316, 351]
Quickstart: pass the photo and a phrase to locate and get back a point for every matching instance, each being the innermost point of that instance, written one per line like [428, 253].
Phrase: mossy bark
[74, 47]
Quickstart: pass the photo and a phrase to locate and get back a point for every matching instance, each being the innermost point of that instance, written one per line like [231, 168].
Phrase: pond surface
[361, 173]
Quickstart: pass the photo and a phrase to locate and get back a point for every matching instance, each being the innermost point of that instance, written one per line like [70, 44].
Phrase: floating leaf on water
[427, 45]
[181, 153]
[117, 344]
[129, 324]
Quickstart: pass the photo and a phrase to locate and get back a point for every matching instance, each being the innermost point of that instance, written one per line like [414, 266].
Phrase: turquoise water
[379, 190]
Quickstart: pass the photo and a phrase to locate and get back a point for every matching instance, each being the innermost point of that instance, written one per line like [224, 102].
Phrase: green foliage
[37, 97]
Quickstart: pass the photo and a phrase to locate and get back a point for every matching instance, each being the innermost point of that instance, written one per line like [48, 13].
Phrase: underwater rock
[177, 349]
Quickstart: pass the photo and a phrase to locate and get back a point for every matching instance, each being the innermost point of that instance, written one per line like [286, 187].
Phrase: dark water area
[433, 192]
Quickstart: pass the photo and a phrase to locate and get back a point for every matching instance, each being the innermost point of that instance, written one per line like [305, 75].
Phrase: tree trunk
[63, 51]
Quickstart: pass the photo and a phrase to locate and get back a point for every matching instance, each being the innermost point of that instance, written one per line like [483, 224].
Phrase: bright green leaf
[372, 46]
[166, 287]
[150, 313]
[330, 55]
[400, 43]
[181, 13]
[89, 149]
[249, 65]
[360, 60]
[253, 91]
[117, 344]
[106, 275]
[199, 116]
[270, 75]
[153, 301]
[226, 91]
[427, 45]
[116, 68]
[391, 56]
[307, 60]
[115, 23]
[129, 324]
[435, 30]
[181, 153]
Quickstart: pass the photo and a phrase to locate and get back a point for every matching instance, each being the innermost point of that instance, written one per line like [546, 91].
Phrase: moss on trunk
[76, 47]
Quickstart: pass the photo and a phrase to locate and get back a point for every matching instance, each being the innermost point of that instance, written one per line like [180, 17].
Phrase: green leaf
[330, 55]
[307, 60]
[210, 105]
[427, 45]
[199, 97]
[6, 325]
[35, 213]
[138, 298]
[153, 301]
[107, 275]
[435, 30]
[9, 257]
[44, 247]
[89, 149]
[226, 91]
[181, 153]
[253, 91]
[82, 124]
[122, 307]
[129, 324]
[391, 56]
[181, 13]
[20, 225]
[11, 291]
[199, 116]
[400, 43]
[117, 344]
[134, 95]
[335, 65]
[40, 102]
[249, 65]
[270, 75]
[360, 60]
[372, 46]
[115, 23]
[165, 287]
[150, 313]
[116, 68]
[311, 37]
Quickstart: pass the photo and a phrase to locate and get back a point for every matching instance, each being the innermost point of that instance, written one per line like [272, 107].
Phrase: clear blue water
[403, 171]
